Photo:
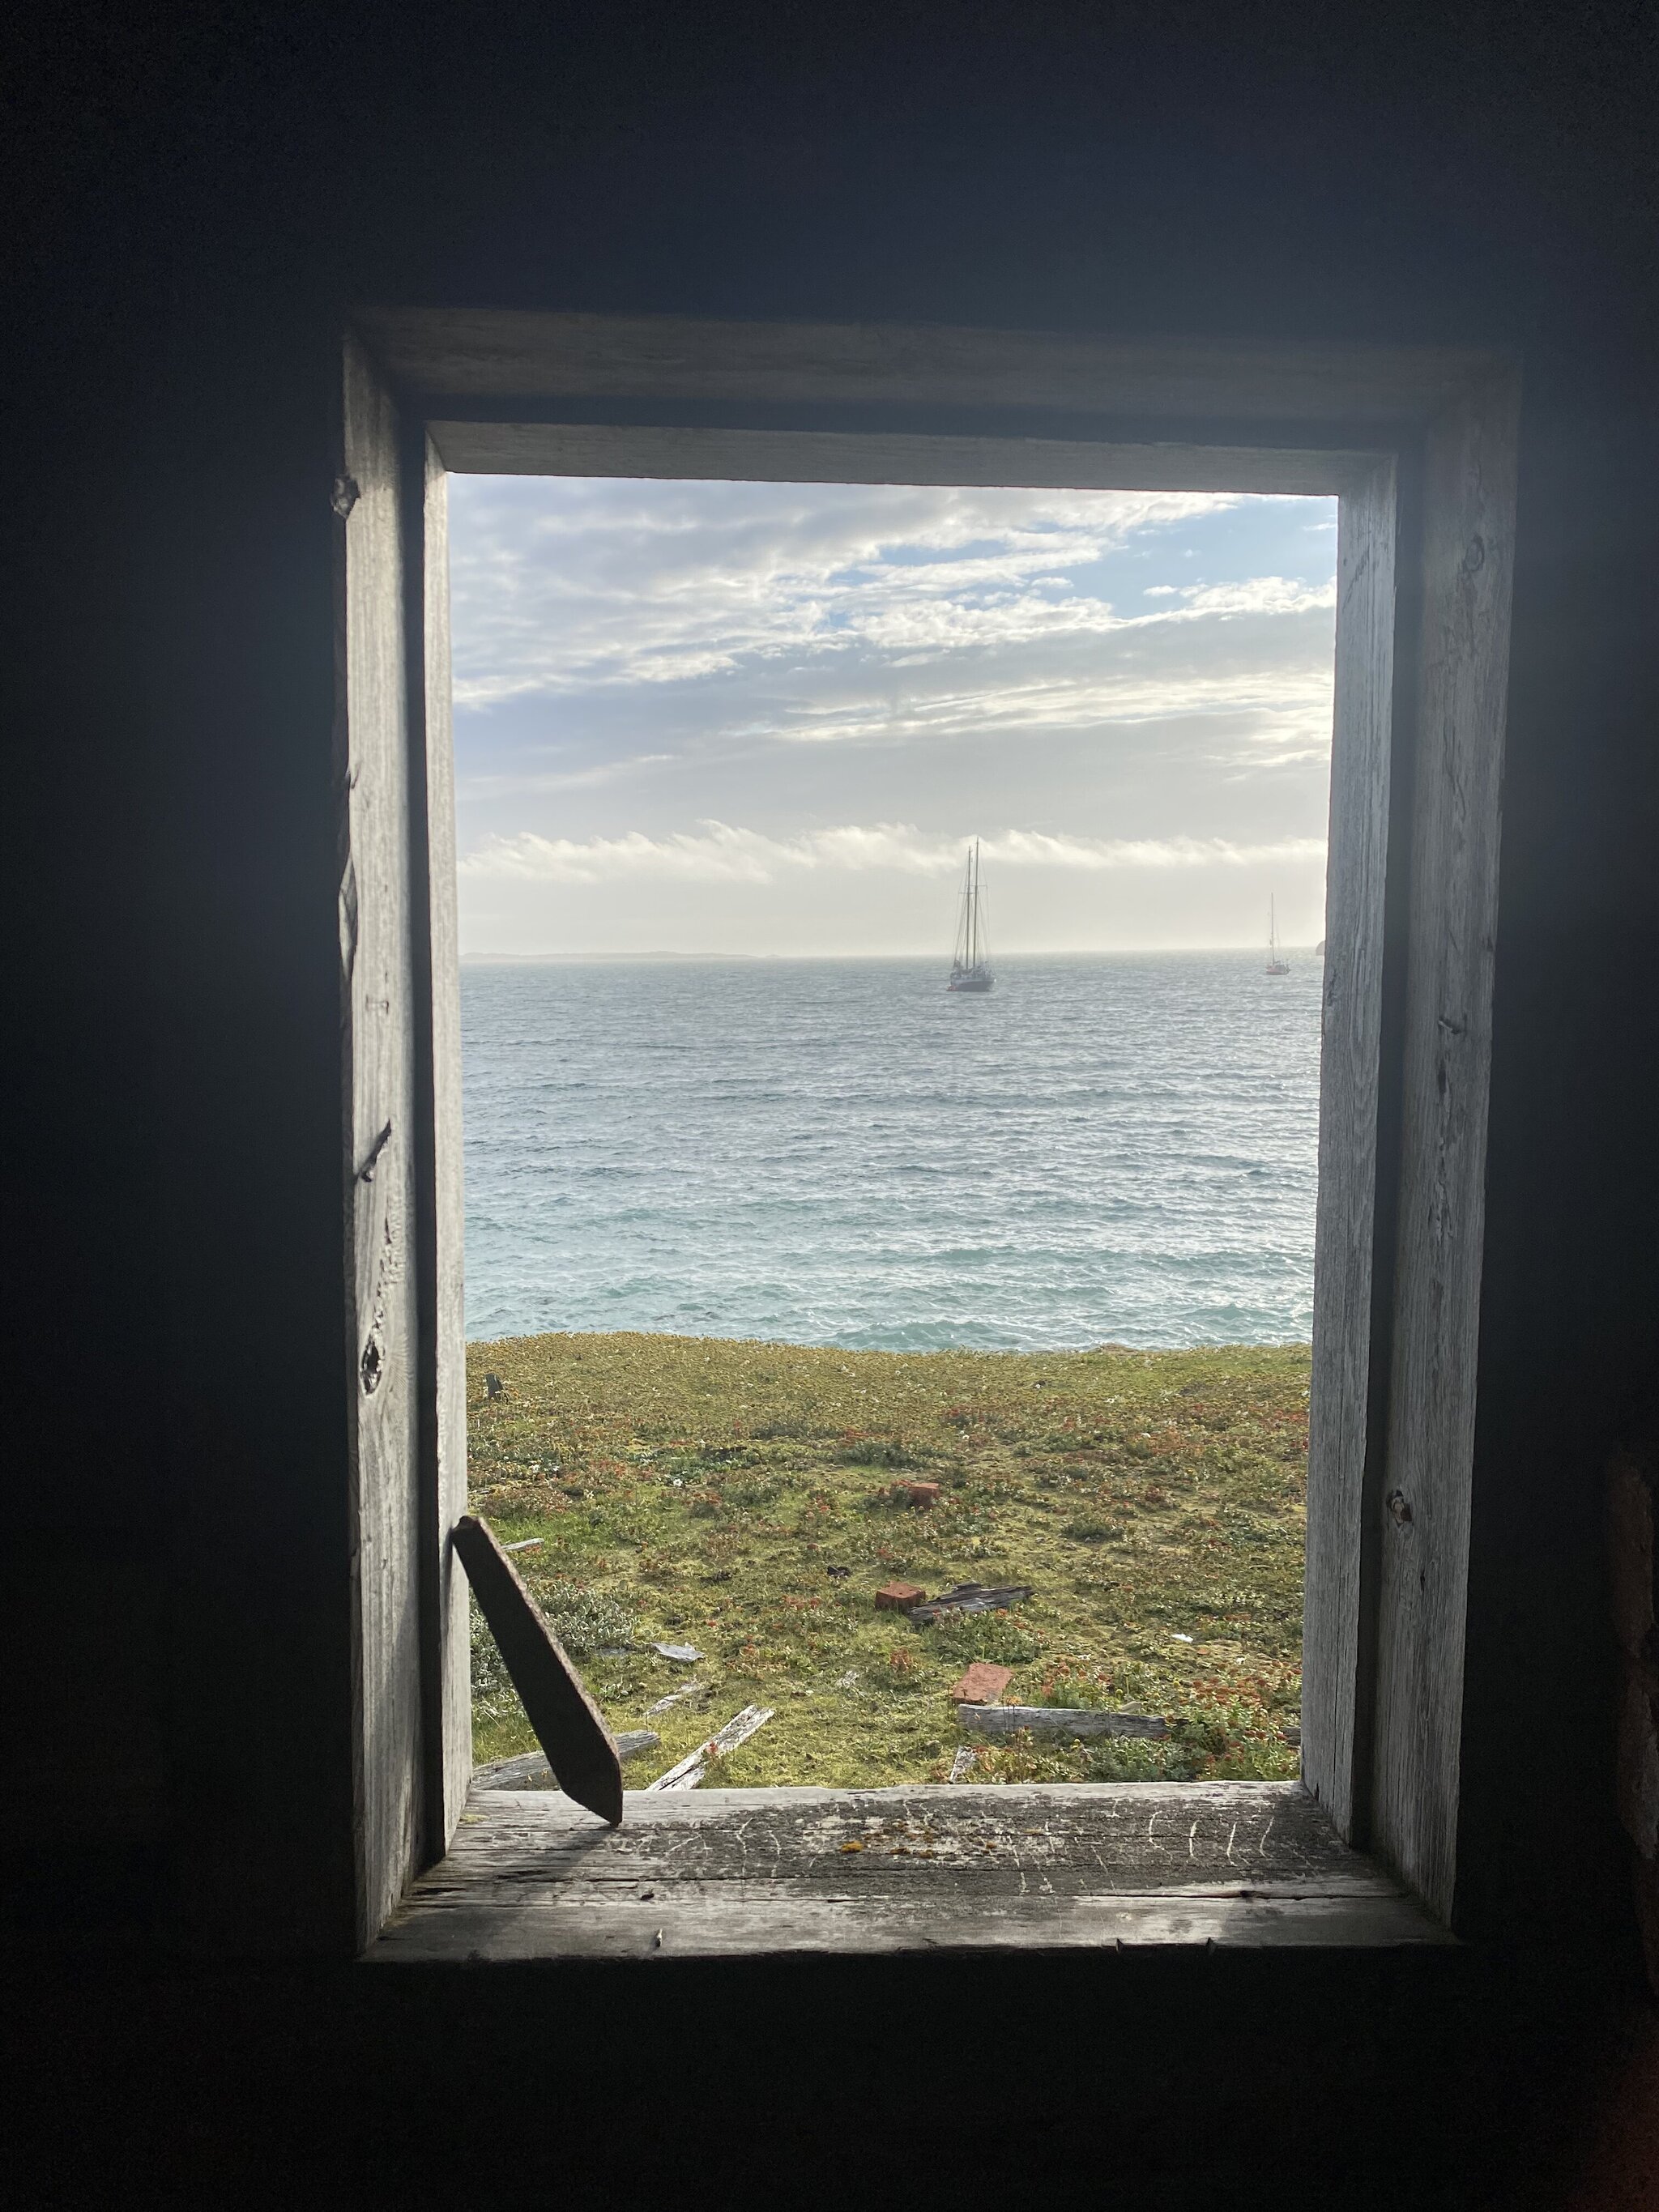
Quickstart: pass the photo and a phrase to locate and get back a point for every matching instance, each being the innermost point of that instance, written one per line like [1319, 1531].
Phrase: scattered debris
[917, 1493]
[492, 1386]
[899, 1597]
[1177, 1637]
[524, 1544]
[690, 1771]
[1073, 1720]
[682, 1655]
[963, 1765]
[676, 1697]
[838, 1574]
[1291, 1732]
[532, 1771]
[970, 1597]
[845, 1682]
[983, 1684]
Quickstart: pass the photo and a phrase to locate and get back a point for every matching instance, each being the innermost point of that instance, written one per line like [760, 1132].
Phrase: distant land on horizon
[926, 953]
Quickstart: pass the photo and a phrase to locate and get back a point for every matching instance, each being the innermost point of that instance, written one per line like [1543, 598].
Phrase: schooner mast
[970, 969]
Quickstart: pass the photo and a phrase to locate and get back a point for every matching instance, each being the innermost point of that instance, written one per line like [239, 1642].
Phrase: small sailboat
[1275, 965]
[970, 969]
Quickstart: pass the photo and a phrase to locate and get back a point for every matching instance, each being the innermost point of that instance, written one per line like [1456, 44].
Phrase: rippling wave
[1113, 1148]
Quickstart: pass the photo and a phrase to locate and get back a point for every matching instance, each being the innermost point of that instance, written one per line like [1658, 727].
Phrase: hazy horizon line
[932, 953]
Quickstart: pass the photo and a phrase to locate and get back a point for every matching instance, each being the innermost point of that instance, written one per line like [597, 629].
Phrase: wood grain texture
[530, 1770]
[1077, 1723]
[569, 1727]
[379, 1144]
[875, 457]
[1408, 929]
[741, 1871]
[446, 1701]
[689, 1772]
[481, 353]
[1340, 1399]
[1468, 535]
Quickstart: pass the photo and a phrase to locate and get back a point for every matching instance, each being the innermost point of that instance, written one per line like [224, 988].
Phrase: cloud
[626, 584]
[718, 852]
[523, 781]
[1258, 595]
[662, 686]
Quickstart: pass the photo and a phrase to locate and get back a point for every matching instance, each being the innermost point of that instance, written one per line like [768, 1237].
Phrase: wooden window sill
[729, 1873]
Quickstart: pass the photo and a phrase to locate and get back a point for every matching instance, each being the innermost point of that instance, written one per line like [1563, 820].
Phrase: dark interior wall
[196, 200]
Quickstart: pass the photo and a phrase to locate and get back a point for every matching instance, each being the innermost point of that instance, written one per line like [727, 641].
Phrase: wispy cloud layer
[718, 852]
[1111, 688]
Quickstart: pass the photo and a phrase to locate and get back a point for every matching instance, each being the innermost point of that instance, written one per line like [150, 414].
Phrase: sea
[1113, 1148]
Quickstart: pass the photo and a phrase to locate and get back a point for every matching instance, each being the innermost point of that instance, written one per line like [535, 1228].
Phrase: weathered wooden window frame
[1418, 446]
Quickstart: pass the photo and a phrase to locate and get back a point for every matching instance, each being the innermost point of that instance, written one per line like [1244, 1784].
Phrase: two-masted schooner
[1275, 965]
[970, 969]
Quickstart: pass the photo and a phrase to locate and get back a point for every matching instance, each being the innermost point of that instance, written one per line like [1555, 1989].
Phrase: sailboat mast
[973, 912]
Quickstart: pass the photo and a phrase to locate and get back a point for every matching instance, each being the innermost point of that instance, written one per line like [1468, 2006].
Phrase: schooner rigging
[970, 969]
[1275, 965]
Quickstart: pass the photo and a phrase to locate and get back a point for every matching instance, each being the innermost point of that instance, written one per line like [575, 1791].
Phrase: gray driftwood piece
[1057, 1720]
[689, 1772]
[569, 1727]
[530, 1771]
[970, 1597]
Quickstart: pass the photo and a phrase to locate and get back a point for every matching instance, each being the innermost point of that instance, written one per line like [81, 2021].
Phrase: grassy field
[740, 1497]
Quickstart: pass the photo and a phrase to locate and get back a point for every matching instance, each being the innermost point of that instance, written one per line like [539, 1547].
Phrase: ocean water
[1114, 1148]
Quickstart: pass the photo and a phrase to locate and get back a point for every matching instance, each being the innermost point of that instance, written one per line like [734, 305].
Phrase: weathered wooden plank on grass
[530, 1770]
[969, 1597]
[689, 1772]
[1078, 1722]
[734, 1871]
[569, 1727]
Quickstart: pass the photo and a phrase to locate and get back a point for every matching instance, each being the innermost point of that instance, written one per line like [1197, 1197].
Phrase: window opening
[818, 1269]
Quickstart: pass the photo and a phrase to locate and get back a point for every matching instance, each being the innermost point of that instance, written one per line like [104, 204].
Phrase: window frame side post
[445, 1694]
[380, 1169]
[1422, 1522]
[1335, 1719]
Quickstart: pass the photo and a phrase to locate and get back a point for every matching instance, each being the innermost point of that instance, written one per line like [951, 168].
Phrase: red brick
[893, 1597]
[921, 1493]
[983, 1684]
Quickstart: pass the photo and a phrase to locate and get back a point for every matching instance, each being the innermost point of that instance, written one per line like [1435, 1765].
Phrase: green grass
[740, 1496]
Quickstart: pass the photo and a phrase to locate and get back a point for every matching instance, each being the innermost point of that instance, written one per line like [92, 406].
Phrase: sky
[726, 718]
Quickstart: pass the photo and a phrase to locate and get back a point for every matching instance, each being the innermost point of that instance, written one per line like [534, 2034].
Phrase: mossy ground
[738, 1497]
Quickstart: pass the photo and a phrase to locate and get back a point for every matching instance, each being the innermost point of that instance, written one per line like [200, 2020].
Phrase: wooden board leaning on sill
[730, 1872]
